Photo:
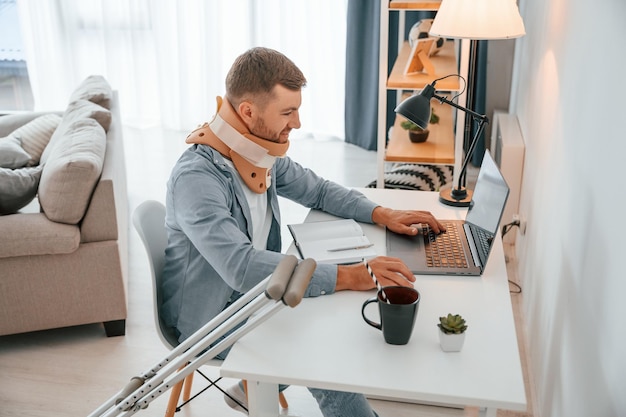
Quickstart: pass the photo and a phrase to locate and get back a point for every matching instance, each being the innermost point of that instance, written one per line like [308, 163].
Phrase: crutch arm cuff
[299, 282]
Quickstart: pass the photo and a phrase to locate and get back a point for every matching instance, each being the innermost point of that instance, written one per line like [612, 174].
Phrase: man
[223, 219]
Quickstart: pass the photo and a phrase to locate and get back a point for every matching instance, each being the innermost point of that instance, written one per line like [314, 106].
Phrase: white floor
[70, 372]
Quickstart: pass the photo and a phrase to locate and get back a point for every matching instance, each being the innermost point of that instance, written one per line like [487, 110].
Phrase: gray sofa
[64, 255]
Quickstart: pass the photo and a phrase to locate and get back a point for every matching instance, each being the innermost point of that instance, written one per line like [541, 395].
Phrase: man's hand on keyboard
[404, 221]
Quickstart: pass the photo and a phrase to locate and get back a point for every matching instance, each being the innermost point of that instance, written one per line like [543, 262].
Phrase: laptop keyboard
[445, 249]
[483, 240]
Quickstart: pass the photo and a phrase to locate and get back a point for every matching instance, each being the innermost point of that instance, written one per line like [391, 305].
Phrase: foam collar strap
[252, 156]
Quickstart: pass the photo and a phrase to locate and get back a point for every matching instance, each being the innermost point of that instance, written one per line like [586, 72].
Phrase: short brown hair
[254, 74]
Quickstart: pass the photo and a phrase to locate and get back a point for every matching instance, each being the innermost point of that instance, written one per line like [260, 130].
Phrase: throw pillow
[12, 155]
[77, 110]
[96, 89]
[72, 171]
[36, 134]
[18, 187]
[417, 177]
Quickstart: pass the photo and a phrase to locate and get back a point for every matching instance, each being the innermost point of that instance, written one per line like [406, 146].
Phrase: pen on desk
[350, 248]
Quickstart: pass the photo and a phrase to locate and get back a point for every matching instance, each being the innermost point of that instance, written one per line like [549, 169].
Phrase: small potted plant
[416, 133]
[451, 332]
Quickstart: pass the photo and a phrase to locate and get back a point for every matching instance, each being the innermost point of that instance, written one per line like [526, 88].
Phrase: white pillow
[96, 89]
[12, 155]
[35, 135]
[18, 187]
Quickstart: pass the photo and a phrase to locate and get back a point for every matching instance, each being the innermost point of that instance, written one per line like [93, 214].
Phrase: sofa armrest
[100, 222]
[106, 217]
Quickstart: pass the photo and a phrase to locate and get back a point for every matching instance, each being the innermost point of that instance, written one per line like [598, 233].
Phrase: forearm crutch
[285, 287]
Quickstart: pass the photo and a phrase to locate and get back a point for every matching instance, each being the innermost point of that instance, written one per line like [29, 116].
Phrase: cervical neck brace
[252, 156]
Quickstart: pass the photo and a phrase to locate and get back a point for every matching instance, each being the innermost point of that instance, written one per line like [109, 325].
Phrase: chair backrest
[149, 220]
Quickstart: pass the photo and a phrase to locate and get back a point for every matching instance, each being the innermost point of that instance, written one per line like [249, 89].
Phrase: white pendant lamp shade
[478, 19]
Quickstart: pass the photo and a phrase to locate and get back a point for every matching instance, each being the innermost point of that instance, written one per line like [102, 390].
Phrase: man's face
[275, 121]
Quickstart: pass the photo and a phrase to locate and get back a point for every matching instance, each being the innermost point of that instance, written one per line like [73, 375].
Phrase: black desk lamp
[468, 20]
[417, 109]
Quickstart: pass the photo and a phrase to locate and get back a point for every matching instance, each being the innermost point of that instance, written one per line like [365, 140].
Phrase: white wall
[569, 100]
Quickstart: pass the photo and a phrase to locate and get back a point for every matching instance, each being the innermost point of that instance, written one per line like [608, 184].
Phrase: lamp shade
[478, 19]
[417, 109]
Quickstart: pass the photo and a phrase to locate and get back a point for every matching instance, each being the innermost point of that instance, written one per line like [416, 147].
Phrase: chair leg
[281, 397]
[187, 387]
[173, 401]
[282, 400]
[172, 404]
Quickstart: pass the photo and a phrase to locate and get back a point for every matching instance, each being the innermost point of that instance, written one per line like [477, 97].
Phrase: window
[15, 91]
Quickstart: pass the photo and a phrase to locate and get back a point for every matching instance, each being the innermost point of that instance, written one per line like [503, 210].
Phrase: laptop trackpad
[408, 248]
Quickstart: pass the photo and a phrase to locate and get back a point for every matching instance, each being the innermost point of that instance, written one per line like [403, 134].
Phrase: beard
[261, 130]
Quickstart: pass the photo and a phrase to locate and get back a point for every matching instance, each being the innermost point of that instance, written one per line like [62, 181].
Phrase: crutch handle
[299, 282]
[132, 386]
[280, 277]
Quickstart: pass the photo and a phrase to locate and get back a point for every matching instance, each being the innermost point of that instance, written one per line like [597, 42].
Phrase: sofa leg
[115, 328]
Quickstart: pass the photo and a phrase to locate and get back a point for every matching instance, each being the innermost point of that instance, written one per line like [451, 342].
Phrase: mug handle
[368, 321]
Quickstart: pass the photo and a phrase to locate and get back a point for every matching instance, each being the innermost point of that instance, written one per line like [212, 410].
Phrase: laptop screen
[489, 197]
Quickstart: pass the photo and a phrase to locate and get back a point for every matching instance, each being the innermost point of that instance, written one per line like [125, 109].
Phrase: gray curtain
[362, 42]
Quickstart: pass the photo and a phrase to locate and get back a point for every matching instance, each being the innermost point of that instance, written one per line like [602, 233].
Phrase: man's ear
[246, 111]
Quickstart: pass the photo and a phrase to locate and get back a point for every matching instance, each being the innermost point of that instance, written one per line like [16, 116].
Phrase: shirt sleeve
[309, 189]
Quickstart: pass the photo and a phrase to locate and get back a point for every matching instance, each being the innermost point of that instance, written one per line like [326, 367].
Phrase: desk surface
[324, 342]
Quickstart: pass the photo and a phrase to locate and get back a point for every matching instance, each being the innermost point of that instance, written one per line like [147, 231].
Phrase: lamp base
[457, 197]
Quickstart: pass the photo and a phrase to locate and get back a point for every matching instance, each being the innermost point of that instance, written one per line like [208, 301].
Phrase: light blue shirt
[210, 259]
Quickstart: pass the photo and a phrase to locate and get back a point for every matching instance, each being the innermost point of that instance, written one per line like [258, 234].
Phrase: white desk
[325, 343]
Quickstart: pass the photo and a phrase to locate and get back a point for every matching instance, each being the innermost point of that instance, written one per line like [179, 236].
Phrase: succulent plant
[409, 125]
[452, 324]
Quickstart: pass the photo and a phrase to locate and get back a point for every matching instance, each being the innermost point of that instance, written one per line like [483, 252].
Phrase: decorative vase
[418, 136]
[451, 342]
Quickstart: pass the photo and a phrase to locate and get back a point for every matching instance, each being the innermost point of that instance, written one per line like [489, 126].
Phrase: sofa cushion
[71, 171]
[18, 187]
[28, 234]
[77, 110]
[96, 89]
[12, 155]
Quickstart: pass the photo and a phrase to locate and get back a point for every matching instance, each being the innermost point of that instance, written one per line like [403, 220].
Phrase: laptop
[474, 235]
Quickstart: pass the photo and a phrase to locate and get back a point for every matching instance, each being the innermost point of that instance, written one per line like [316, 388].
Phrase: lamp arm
[481, 125]
[477, 116]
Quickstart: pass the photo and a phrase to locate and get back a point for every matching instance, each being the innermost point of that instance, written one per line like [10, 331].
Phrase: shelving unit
[440, 146]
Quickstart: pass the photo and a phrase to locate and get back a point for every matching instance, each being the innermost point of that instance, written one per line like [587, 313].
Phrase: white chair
[149, 220]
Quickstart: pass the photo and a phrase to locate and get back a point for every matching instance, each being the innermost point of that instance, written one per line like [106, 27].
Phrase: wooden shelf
[395, 145]
[415, 5]
[444, 62]
[438, 148]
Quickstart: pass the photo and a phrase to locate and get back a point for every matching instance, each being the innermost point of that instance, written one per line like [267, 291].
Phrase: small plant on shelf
[452, 332]
[416, 133]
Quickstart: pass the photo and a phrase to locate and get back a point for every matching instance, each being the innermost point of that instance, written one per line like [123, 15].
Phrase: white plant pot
[451, 342]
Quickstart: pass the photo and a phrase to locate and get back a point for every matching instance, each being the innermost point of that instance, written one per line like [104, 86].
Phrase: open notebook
[332, 241]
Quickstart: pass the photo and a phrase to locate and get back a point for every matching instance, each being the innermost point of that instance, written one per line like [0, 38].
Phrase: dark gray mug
[397, 317]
